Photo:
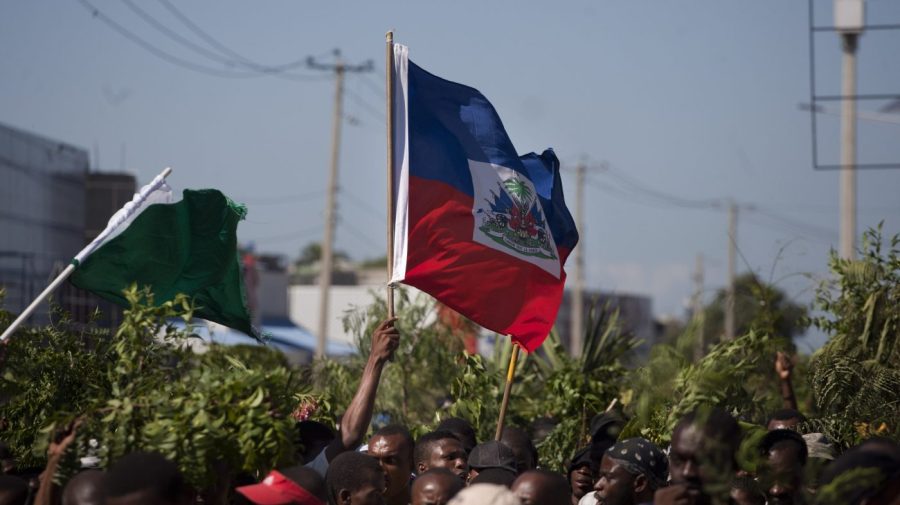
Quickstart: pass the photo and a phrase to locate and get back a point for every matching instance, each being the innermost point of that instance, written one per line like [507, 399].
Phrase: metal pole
[732, 245]
[510, 372]
[389, 87]
[848, 147]
[576, 340]
[327, 241]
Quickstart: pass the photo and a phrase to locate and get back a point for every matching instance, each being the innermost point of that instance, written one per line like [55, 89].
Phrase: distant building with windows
[42, 213]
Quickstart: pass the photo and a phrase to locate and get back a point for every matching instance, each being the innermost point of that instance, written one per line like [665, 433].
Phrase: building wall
[42, 212]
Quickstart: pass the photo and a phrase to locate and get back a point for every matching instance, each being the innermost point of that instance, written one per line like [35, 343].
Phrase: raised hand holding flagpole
[115, 222]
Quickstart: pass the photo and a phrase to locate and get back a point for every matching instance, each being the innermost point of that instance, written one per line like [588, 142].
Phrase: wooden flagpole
[513, 357]
[389, 91]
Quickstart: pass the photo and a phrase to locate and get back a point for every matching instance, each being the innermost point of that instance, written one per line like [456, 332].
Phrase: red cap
[276, 489]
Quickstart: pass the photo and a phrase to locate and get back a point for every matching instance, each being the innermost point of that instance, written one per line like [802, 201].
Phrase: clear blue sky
[697, 99]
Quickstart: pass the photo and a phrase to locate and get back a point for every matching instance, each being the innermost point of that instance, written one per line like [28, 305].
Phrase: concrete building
[42, 214]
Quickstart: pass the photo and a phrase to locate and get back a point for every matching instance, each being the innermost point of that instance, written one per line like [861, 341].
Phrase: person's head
[13, 490]
[440, 449]
[541, 428]
[702, 453]
[784, 456]
[145, 478]
[499, 476]
[746, 491]
[605, 429]
[485, 494]
[435, 487]
[392, 446]
[518, 440]
[630, 472]
[541, 487]
[296, 485]
[85, 488]
[462, 429]
[861, 477]
[311, 438]
[582, 473]
[491, 454]
[354, 478]
[784, 419]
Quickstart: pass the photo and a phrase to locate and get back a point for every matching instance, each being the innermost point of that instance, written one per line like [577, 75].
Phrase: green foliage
[215, 414]
[855, 376]
[722, 378]
[573, 390]
[758, 306]
[49, 375]
[417, 381]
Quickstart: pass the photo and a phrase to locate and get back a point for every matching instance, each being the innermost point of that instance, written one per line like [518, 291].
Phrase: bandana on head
[640, 456]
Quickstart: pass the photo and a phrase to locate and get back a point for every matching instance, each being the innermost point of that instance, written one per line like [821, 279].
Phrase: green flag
[185, 247]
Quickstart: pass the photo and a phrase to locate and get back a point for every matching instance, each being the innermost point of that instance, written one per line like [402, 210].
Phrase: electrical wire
[171, 58]
[238, 59]
[369, 108]
[159, 53]
[278, 200]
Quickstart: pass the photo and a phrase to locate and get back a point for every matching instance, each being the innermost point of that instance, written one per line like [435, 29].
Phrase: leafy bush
[855, 376]
[143, 389]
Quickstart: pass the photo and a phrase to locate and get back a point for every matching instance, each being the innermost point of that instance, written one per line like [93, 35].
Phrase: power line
[371, 109]
[238, 59]
[173, 59]
[159, 53]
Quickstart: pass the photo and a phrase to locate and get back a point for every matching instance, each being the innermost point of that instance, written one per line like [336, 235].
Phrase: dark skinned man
[541, 487]
[393, 447]
[701, 459]
[784, 456]
[441, 449]
[436, 487]
[630, 472]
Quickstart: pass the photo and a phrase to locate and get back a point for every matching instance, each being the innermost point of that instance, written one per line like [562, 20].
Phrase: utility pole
[327, 260]
[849, 19]
[576, 342]
[732, 251]
[697, 307]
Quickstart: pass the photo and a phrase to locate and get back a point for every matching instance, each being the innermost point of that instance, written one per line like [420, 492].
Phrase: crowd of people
[449, 465]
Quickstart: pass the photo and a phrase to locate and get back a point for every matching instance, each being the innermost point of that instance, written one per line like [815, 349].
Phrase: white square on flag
[509, 217]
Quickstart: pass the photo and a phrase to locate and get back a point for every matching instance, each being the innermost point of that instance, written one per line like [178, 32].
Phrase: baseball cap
[276, 489]
[492, 454]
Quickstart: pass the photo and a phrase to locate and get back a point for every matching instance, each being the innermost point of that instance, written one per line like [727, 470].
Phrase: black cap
[607, 425]
[580, 458]
[492, 454]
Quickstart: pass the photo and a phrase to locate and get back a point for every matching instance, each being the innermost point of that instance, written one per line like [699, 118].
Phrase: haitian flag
[483, 230]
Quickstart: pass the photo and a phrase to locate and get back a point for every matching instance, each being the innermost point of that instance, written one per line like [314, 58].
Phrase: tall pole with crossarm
[327, 259]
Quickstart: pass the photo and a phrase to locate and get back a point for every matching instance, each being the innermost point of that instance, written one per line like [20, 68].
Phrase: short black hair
[499, 476]
[394, 430]
[308, 479]
[518, 440]
[311, 437]
[456, 483]
[425, 444]
[715, 423]
[13, 490]
[777, 439]
[145, 471]
[85, 487]
[785, 414]
[350, 470]
[462, 429]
